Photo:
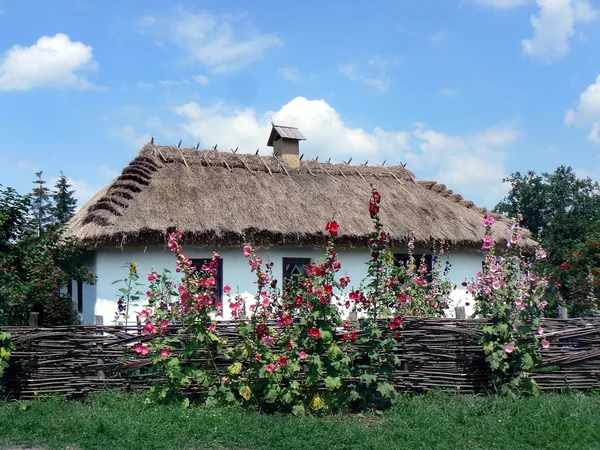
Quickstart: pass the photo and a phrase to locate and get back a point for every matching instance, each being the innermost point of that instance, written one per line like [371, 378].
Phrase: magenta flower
[545, 343]
[247, 250]
[488, 242]
[271, 368]
[165, 353]
[227, 289]
[302, 354]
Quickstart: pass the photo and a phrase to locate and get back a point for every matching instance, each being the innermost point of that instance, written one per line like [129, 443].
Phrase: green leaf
[333, 383]
[527, 362]
[298, 410]
[368, 378]
[386, 390]
[186, 403]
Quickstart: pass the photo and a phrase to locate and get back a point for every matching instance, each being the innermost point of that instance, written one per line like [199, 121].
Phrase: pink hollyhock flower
[143, 314]
[302, 354]
[540, 331]
[152, 277]
[496, 285]
[257, 357]
[165, 353]
[488, 242]
[247, 250]
[227, 289]
[268, 340]
[213, 327]
[545, 343]
[142, 349]
[488, 221]
[509, 348]
[271, 368]
[541, 254]
[315, 333]
[164, 324]
[225, 380]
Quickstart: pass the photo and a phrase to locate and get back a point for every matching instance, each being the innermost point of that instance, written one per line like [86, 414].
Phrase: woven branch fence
[435, 353]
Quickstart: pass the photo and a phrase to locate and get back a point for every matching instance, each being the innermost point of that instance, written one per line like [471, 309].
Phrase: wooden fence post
[460, 312]
[563, 313]
[34, 318]
[352, 316]
[99, 321]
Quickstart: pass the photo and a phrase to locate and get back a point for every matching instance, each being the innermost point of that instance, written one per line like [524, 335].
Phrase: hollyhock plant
[509, 295]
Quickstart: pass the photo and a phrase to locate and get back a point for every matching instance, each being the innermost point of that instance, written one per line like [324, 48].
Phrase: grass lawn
[437, 421]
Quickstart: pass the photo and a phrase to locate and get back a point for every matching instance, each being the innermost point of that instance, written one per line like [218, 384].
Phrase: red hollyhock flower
[329, 289]
[346, 337]
[333, 228]
[262, 330]
[315, 333]
[285, 321]
[373, 208]
[396, 323]
[283, 361]
[376, 197]
[354, 336]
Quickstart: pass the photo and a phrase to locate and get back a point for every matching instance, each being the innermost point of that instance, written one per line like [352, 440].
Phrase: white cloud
[587, 112]
[129, 136]
[438, 37]
[223, 44]
[448, 92]
[182, 82]
[353, 73]
[51, 62]
[202, 80]
[473, 164]
[24, 164]
[294, 75]
[554, 26]
[501, 4]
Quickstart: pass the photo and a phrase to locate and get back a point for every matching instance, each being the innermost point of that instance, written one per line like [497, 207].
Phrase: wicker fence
[435, 353]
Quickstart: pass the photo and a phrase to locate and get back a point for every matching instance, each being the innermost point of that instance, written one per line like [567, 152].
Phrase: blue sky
[463, 91]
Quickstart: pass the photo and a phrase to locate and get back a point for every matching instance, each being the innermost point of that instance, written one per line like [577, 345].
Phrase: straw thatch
[222, 198]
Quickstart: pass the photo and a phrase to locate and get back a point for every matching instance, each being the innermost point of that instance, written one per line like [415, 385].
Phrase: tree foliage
[64, 200]
[36, 262]
[41, 204]
[563, 213]
[560, 209]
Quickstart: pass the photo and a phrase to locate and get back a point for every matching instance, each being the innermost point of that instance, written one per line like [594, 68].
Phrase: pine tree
[64, 201]
[41, 205]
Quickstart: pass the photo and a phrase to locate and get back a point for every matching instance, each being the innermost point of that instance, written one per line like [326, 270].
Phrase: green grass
[434, 421]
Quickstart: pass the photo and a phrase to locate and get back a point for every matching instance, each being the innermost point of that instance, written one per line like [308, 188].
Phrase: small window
[403, 258]
[199, 262]
[294, 268]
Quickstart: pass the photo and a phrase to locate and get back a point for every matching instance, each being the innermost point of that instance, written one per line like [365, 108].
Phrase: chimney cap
[280, 131]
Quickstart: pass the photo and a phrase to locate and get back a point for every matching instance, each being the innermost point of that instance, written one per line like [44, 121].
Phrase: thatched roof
[222, 198]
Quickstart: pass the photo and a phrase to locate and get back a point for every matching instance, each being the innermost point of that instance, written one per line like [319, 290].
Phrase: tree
[41, 205]
[64, 201]
[35, 266]
[561, 210]
[563, 213]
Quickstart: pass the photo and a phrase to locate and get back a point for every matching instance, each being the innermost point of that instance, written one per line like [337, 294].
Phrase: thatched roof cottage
[281, 203]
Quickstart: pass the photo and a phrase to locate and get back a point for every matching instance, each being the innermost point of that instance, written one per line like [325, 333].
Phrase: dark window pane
[294, 268]
[80, 296]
